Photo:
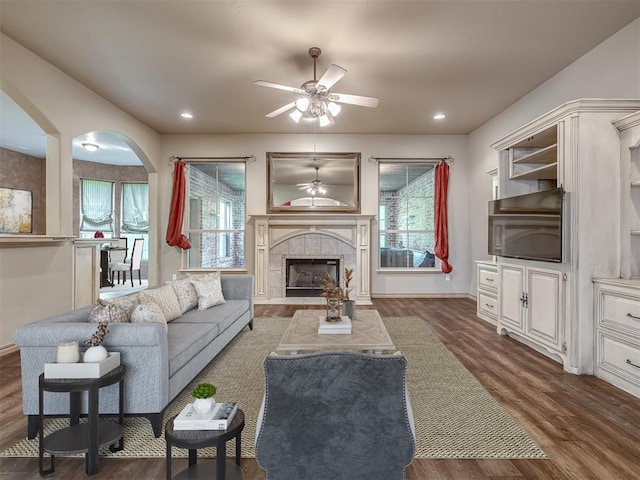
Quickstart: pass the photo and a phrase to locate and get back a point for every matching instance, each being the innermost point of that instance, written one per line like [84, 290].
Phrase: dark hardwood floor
[588, 428]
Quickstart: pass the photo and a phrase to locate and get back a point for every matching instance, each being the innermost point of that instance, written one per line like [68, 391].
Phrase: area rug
[455, 416]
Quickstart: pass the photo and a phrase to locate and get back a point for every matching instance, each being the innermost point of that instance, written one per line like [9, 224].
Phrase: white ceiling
[155, 59]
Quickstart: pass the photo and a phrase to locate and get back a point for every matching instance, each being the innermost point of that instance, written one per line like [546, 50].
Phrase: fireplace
[304, 276]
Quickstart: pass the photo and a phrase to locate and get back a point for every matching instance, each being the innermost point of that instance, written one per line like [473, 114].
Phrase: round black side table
[86, 437]
[195, 439]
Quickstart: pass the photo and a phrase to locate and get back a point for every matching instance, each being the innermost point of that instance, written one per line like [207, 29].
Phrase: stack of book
[219, 418]
[334, 328]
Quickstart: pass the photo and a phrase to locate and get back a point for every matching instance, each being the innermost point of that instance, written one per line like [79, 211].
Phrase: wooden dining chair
[131, 265]
[118, 256]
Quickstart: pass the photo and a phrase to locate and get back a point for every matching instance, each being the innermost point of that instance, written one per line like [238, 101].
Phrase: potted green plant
[203, 394]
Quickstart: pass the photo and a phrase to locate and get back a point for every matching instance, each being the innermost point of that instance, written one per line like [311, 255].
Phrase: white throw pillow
[149, 312]
[187, 296]
[209, 290]
[165, 298]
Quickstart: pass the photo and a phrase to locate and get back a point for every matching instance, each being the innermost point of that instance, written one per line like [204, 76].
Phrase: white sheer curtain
[96, 206]
[135, 214]
[135, 208]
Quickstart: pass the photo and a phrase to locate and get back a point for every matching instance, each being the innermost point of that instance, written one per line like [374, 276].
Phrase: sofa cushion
[209, 291]
[222, 315]
[185, 342]
[148, 312]
[108, 312]
[186, 294]
[165, 298]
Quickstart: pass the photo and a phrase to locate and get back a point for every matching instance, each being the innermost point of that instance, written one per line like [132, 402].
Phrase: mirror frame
[273, 158]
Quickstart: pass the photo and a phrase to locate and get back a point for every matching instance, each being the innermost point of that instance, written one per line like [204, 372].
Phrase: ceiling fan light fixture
[334, 108]
[296, 115]
[90, 147]
[324, 120]
[302, 104]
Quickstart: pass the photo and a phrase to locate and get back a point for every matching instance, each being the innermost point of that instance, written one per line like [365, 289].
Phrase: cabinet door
[511, 293]
[544, 306]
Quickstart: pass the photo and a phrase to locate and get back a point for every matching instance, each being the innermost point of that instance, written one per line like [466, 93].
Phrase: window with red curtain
[216, 215]
[406, 215]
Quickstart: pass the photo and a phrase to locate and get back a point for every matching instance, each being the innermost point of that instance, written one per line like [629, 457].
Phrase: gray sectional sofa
[160, 359]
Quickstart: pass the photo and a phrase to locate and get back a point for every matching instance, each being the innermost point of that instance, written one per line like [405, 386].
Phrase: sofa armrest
[238, 287]
[143, 350]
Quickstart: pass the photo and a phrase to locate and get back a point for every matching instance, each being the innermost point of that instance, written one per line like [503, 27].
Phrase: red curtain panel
[442, 228]
[175, 238]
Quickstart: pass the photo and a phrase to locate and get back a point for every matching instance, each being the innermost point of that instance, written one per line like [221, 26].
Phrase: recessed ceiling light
[439, 116]
[90, 147]
[186, 115]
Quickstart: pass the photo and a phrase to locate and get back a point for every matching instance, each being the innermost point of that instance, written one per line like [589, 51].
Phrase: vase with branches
[96, 351]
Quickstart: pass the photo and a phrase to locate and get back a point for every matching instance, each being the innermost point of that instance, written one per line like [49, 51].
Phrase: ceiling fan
[315, 99]
[314, 187]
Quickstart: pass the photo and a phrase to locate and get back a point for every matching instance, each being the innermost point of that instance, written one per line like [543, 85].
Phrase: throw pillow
[209, 291]
[187, 296]
[107, 312]
[165, 298]
[127, 302]
[149, 312]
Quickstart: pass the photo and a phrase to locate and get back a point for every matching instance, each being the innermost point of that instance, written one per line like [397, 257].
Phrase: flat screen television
[527, 226]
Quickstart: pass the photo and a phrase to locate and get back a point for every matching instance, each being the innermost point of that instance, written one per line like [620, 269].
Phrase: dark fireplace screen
[305, 275]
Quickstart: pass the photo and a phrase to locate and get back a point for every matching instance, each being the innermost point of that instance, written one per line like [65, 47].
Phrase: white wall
[368, 145]
[64, 109]
[611, 70]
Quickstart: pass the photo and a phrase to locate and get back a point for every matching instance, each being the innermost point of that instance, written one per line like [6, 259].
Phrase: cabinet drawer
[488, 304]
[488, 279]
[620, 311]
[618, 355]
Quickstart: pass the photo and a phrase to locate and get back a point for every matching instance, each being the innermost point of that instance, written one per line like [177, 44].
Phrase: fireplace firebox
[305, 275]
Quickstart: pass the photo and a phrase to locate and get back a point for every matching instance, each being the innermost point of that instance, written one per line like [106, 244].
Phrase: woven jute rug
[455, 416]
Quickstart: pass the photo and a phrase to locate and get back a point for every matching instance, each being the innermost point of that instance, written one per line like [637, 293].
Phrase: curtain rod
[175, 158]
[446, 159]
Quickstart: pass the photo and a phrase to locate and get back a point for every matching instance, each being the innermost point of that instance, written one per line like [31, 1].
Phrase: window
[216, 214]
[134, 222]
[406, 213]
[96, 208]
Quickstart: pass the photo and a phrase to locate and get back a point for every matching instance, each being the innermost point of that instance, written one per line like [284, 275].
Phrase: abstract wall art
[16, 207]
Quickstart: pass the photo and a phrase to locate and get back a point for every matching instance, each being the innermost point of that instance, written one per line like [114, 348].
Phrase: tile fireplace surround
[282, 236]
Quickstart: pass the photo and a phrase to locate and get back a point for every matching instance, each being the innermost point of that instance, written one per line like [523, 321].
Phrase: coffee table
[368, 334]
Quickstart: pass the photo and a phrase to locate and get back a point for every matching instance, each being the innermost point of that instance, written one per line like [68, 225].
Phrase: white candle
[68, 352]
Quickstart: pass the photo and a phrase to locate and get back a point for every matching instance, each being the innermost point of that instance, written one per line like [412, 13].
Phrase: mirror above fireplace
[313, 182]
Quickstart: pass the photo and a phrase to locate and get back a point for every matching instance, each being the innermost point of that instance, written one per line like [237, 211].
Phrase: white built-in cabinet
[617, 338]
[617, 299]
[549, 306]
[487, 293]
[532, 305]
[629, 128]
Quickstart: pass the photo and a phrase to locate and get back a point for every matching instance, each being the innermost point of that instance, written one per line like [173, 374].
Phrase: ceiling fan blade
[331, 76]
[280, 110]
[354, 99]
[264, 83]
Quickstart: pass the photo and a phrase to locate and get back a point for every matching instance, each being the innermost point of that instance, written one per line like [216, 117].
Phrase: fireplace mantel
[352, 229]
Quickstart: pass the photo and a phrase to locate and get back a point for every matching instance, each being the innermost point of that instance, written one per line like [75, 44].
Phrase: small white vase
[203, 405]
[95, 354]
[68, 352]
